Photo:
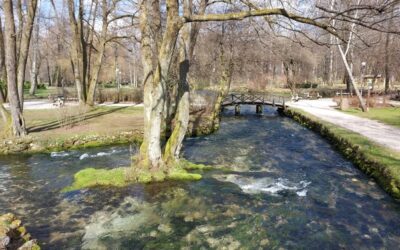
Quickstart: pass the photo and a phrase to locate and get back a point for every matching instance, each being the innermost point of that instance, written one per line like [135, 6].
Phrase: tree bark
[189, 34]
[224, 86]
[78, 50]
[35, 58]
[18, 122]
[156, 78]
[100, 54]
[24, 49]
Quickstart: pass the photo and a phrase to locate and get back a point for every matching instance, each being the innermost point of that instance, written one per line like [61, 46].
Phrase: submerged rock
[13, 234]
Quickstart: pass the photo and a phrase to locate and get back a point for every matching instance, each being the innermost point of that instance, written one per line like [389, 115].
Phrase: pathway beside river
[378, 132]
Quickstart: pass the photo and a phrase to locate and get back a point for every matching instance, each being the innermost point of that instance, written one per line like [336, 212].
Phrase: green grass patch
[91, 177]
[379, 162]
[123, 176]
[390, 116]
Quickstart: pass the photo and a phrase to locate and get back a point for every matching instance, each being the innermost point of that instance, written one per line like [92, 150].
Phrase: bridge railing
[242, 98]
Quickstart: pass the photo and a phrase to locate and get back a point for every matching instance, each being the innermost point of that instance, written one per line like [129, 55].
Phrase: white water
[268, 185]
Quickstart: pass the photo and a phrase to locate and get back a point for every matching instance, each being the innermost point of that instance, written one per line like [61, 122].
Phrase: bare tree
[35, 58]
[18, 122]
[157, 54]
[26, 27]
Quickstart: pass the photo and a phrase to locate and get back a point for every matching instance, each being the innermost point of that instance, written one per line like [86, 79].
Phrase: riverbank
[381, 163]
[74, 127]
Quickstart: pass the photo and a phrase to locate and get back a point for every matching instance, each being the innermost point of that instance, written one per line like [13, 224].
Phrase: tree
[157, 53]
[26, 22]
[18, 122]
[35, 58]
[78, 49]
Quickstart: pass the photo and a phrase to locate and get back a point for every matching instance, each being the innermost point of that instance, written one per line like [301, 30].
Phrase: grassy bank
[390, 116]
[376, 161]
[75, 127]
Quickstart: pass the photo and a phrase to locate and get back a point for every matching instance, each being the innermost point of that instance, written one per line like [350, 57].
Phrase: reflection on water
[286, 188]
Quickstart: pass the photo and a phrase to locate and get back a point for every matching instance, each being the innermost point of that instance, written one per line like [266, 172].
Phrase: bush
[306, 85]
[122, 95]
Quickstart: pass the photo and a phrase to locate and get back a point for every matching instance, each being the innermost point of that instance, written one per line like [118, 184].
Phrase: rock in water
[13, 234]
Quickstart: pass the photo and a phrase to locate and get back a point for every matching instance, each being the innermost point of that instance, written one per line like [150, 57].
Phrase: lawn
[76, 121]
[390, 116]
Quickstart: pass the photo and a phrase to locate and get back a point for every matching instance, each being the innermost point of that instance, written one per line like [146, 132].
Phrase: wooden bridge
[237, 99]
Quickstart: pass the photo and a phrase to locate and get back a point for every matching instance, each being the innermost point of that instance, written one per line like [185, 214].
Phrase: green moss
[185, 164]
[120, 177]
[91, 177]
[375, 160]
[183, 175]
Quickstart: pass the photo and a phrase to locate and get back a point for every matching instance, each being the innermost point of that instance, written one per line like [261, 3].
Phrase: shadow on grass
[72, 120]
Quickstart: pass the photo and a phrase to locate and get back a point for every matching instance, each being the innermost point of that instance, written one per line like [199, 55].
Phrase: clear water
[284, 187]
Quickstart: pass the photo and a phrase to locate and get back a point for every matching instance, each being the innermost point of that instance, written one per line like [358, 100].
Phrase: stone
[164, 228]
[4, 241]
[15, 224]
[264, 242]
[29, 245]
[13, 234]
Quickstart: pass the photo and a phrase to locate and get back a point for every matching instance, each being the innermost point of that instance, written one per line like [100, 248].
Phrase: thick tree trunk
[155, 87]
[18, 122]
[182, 114]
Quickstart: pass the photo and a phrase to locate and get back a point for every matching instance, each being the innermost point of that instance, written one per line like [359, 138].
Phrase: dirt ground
[74, 121]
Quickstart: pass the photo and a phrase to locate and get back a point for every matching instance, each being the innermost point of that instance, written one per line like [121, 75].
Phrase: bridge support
[259, 109]
[237, 110]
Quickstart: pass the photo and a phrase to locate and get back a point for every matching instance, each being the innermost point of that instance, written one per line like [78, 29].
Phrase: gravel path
[378, 132]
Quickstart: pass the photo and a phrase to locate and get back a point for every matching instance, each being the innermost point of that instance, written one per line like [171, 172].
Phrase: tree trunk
[387, 58]
[99, 59]
[18, 122]
[24, 49]
[352, 81]
[155, 84]
[35, 60]
[189, 34]
[78, 50]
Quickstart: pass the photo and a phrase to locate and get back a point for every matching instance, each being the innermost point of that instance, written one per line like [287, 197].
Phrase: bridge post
[259, 109]
[237, 109]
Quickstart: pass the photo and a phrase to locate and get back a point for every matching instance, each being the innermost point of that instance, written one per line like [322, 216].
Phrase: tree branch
[261, 12]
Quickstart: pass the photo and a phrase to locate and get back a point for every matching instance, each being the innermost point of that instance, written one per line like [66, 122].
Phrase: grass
[390, 116]
[100, 120]
[91, 177]
[378, 161]
[39, 93]
[123, 176]
[58, 129]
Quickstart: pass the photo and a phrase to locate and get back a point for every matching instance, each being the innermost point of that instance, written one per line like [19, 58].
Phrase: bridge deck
[233, 99]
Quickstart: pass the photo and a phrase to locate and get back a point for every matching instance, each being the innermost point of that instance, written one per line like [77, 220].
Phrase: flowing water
[282, 186]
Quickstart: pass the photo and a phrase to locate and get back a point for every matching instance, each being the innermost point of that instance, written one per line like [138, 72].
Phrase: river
[281, 186]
